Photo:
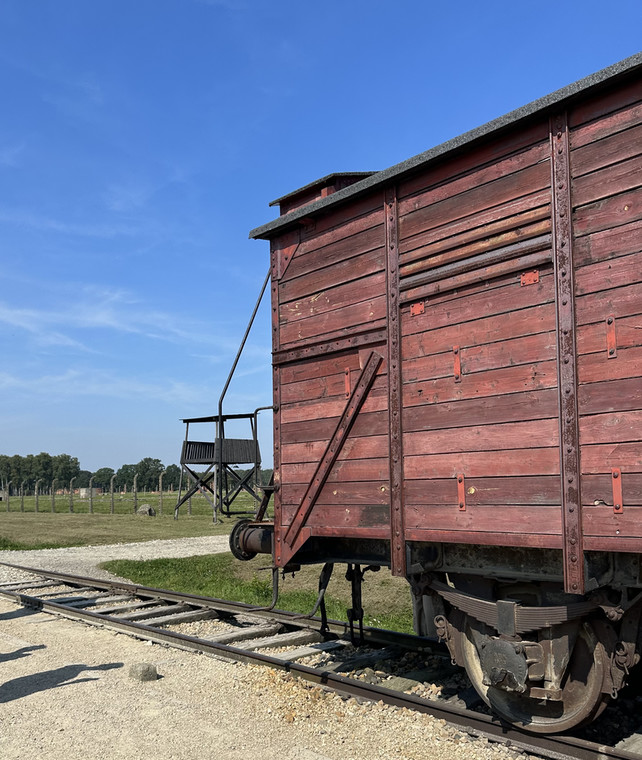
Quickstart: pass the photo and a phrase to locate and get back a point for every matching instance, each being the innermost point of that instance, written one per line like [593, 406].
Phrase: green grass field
[386, 600]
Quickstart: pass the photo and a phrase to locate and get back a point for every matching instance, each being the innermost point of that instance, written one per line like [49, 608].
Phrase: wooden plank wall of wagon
[606, 170]
[479, 349]
[334, 287]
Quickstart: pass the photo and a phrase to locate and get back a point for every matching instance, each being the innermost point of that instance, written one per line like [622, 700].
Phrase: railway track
[246, 632]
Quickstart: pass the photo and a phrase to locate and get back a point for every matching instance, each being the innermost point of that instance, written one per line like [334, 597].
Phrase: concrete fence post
[160, 488]
[71, 494]
[38, 482]
[53, 495]
[91, 495]
[111, 493]
[8, 494]
[22, 496]
[135, 493]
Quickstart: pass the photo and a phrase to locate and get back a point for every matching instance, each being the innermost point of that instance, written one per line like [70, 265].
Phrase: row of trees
[63, 467]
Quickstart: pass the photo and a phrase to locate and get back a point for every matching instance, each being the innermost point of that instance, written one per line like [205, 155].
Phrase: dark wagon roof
[628, 65]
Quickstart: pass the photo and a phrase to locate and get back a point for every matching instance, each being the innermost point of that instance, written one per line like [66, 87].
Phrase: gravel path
[66, 693]
[83, 560]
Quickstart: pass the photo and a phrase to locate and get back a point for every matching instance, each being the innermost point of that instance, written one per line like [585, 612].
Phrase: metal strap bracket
[611, 338]
[461, 492]
[616, 481]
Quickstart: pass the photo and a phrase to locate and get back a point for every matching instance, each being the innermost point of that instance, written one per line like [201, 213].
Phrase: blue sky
[141, 141]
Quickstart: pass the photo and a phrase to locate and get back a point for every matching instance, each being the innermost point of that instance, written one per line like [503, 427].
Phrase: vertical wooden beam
[276, 401]
[562, 209]
[397, 538]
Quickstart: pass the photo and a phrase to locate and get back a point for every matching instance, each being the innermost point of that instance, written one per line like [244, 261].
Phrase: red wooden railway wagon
[457, 390]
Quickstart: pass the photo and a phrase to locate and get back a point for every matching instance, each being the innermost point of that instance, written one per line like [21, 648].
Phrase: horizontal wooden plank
[499, 519]
[336, 297]
[423, 259]
[612, 180]
[544, 490]
[484, 175]
[486, 329]
[477, 198]
[335, 274]
[348, 531]
[515, 141]
[373, 447]
[612, 544]
[609, 150]
[513, 407]
[330, 322]
[527, 377]
[367, 492]
[471, 304]
[308, 369]
[343, 471]
[527, 349]
[610, 212]
[597, 490]
[606, 126]
[597, 368]
[613, 273]
[610, 396]
[333, 406]
[505, 220]
[604, 103]
[423, 271]
[348, 218]
[316, 388]
[332, 254]
[602, 457]
[608, 244]
[365, 516]
[488, 538]
[611, 427]
[620, 301]
[592, 338]
[354, 219]
[374, 423]
[483, 463]
[510, 435]
[602, 521]
[506, 216]
[486, 275]
[366, 338]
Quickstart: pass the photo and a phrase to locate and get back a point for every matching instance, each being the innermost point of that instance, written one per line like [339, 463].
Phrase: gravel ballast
[66, 693]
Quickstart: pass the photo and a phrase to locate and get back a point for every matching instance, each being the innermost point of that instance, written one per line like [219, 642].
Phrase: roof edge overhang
[539, 106]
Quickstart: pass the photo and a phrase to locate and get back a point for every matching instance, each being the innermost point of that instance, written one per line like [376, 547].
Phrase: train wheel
[582, 697]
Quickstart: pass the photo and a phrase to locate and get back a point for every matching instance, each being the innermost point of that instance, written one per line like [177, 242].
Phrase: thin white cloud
[23, 218]
[93, 308]
[74, 383]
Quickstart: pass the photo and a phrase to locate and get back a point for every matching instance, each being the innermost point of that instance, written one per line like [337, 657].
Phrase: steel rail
[559, 747]
[337, 627]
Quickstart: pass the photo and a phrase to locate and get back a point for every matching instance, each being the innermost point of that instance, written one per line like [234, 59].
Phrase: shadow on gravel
[21, 687]
[17, 613]
[18, 653]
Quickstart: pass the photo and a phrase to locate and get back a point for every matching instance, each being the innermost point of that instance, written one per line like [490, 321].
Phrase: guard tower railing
[220, 483]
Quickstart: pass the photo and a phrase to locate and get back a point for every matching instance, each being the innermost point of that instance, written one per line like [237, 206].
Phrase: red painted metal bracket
[616, 480]
[417, 308]
[295, 536]
[457, 364]
[529, 278]
[461, 492]
[611, 339]
[346, 377]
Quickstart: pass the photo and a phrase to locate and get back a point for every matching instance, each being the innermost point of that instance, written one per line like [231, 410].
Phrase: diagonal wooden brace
[295, 535]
